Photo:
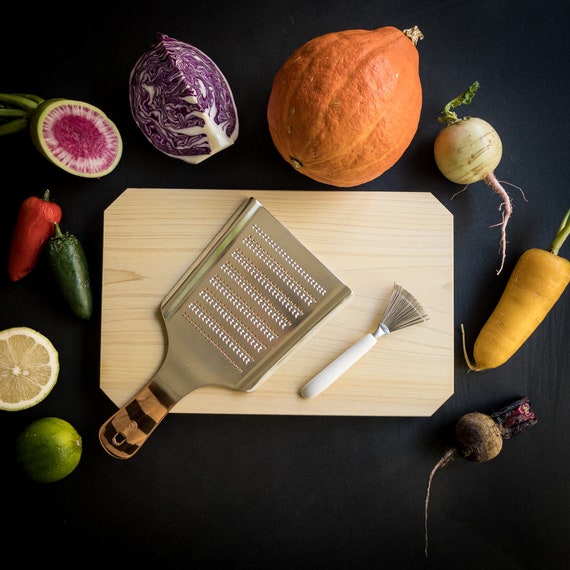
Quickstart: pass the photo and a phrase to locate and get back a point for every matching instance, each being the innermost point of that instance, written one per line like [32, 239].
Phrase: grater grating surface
[253, 295]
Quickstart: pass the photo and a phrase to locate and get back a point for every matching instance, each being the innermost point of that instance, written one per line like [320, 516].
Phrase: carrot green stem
[561, 235]
[465, 98]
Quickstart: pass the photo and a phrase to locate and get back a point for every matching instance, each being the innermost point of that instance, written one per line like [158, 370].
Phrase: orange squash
[345, 106]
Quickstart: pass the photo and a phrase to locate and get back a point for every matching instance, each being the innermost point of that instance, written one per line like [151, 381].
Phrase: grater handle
[338, 367]
[123, 434]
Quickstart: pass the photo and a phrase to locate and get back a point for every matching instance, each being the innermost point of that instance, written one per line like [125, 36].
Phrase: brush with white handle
[403, 310]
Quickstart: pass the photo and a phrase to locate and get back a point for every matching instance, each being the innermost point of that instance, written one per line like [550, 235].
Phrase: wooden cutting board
[368, 239]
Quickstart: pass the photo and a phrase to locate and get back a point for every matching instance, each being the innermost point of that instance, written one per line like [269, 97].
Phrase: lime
[48, 449]
[29, 367]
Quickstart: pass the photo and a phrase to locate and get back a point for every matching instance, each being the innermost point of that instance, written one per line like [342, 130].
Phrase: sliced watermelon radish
[77, 137]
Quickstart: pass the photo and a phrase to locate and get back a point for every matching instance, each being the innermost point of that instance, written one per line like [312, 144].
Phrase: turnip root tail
[446, 458]
[507, 209]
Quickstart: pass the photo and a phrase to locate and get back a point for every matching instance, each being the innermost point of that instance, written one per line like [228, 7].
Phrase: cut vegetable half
[182, 102]
[77, 137]
[29, 368]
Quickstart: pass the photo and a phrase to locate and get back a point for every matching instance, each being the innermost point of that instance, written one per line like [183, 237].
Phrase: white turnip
[468, 150]
[479, 438]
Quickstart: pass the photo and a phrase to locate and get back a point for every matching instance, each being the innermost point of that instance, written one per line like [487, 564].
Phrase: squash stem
[414, 34]
[561, 235]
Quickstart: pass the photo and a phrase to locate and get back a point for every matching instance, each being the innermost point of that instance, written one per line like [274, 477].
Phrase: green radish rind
[69, 265]
[77, 137]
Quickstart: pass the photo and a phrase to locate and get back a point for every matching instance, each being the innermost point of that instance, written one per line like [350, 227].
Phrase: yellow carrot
[537, 282]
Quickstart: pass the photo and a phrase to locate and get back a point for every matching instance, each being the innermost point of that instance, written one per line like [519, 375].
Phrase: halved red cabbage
[182, 102]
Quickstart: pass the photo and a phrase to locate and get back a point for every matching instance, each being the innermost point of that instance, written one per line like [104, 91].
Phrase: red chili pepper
[34, 226]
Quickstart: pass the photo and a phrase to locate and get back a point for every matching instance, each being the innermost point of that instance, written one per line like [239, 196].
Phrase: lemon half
[29, 367]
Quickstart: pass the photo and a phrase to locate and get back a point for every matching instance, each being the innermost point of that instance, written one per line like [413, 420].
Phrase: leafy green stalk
[16, 110]
[465, 98]
[561, 235]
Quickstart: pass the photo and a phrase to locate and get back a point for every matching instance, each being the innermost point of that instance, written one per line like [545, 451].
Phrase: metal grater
[237, 313]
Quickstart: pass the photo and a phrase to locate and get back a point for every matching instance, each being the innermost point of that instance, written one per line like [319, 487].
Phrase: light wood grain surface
[368, 239]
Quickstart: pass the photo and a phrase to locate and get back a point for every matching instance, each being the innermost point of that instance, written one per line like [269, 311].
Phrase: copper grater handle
[123, 434]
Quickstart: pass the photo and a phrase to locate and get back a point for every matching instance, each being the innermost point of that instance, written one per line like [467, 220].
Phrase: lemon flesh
[49, 449]
[29, 367]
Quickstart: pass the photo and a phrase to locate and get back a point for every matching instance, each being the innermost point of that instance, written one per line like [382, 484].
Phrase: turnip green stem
[465, 98]
[561, 235]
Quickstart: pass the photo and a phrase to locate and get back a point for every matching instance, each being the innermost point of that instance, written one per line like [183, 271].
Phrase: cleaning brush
[403, 311]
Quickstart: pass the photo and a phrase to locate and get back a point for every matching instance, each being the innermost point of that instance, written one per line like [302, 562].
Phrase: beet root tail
[446, 458]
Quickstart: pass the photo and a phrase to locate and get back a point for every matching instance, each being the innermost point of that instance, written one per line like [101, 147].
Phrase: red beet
[479, 438]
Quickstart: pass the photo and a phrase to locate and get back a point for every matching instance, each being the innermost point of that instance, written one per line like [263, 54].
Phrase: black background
[299, 492]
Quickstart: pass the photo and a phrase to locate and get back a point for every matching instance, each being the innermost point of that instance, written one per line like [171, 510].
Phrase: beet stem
[515, 417]
[507, 209]
[448, 456]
